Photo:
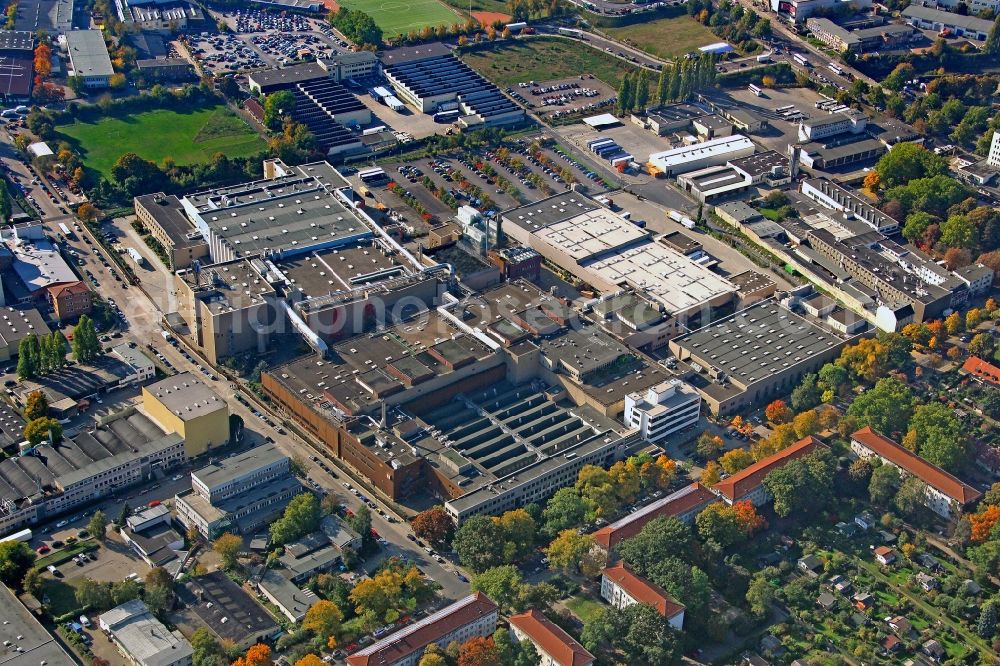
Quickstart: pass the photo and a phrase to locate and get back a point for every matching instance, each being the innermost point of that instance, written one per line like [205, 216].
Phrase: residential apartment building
[475, 615]
[748, 484]
[993, 158]
[185, 405]
[945, 494]
[663, 410]
[554, 646]
[621, 587]
[981, 370]
[142, 639]
[69, 300]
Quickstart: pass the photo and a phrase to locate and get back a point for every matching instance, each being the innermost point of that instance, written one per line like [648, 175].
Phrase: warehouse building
[429, 78]
[185, 405]
[929, 18]
[744, 360]
[17, 65]
[714, 152]
[88, 58]
[874, 38]
[142, 639]
[226, 610]
[835, 197]
[29, 642]
[163, 16]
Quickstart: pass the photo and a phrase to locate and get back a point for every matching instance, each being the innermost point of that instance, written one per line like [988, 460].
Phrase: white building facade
[664, 409]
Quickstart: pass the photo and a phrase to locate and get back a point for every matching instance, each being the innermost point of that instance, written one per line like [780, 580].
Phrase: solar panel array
[317, 103]
[447, 74]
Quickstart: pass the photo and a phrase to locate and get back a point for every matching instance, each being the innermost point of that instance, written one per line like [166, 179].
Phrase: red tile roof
[979, 368]
[77, 287]
[745, 481]
[642, 590]
[551, 639]
[417, 636]
[682, 501]
[911, 463]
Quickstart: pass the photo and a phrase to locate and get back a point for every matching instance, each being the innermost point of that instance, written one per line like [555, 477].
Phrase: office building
[748, 484]
[239, 493]
[621, 587]
[683, 504]
[714, 152]
[349, 65]
[69, 300]
[149, 533]
[800, 10]
[663, 410]
[944, 494]
[230, 614]
[748, 358]
[994, 155]
[475, 615]
[832, 124]
[166, 70]
[958, 25]
[185, 405]
[861, 40]
[142, 639]
[554, 646]
[163, 216]
[88, 58]
[26, 642]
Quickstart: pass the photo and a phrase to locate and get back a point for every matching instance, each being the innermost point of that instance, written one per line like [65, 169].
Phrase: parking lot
[563, 96]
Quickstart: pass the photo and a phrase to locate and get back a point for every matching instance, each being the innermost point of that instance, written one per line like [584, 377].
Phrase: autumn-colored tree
[974, 317]
[708, 445]
[768, 81]
[711, 474]
[43, 61]
[781, 437]
[478, 651]
[872, 181]
[310, 660]
[228, 546]
[256, 655]
[87, 212]
[323, 618]
[747, 518]
[777, 412]
[829, 417]
[983, 522]
[434, 525]
[736, 460]
[627, 479]
[36, 406]
[806, 423]
[954, 324]
[570, 552]
[662, 472]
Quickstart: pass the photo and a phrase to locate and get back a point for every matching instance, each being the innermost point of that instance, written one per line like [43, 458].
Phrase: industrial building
[833, 123]
[150, 535]
[430, 79]
[15, 325]
[142, 639]
[349, 65]
[475, 615]
[17, 65]
[28, 642]
[239, 493]
[226, 610]
[163, 16]
[800, 10]
[166, 70]
[713, 152]
[163, 216]
[31, 263]
[44, 481]
[862, 40]
[744, 360]
[88, 58]
[610, 253]
[959, 25]
[663, 410]
[836, 197]
[185, 405]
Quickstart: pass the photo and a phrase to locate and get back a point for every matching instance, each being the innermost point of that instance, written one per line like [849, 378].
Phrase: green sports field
[401, 16]
[188, 138]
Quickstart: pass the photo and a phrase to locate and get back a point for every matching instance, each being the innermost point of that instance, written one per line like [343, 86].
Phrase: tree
[136, 175]
[301, 516]
[983, 523]
[759, 596]
[86, 346]
[807, 394]
[278, 106]
[801, 483]
[982, 345]
[117, 81]
[626, 94]
[478, 542]
[256, 655]
[708, 445]
[228, 546]
[711, 474]
[723, 526]
[938, 436]
[735, 460]
[639, 631]
[565, 509]
[432, 659]
[898, 167]
[26, 364]
[478, 651]
[93, 594]
[777, 412]
[16, 557]
[41, 429]
[207, 651]
[911, 496]
[886, 408]
[883, 484]
[519, 533]
[310, 660]
[98, 525]
[986, 625]
[36, 406]
[435, 525]
[323, 619]
[660, 539]
[902, 73]
[806, 423]
[992, 44]
[503, 584]
[597, 489]
[572, 551]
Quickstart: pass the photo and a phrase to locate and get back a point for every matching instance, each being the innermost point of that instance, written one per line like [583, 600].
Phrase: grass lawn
[61, 595]
[512, 62]
[57, 557]
[481, 5]
[401, 16]
[188, 138]
[585, 609]
[665, 38]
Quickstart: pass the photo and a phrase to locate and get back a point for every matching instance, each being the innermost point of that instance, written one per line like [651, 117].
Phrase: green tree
[660, 539]
[93, 594]
[228, 547]
[26, 366]
[98, 525]
[86, 346]
[626, 94]
[909, 161]
[478, 542]
[5, 208]
[938, 436]
[804, 483]
[42, 429]
[36, 406]
[992, 44]
[301, 516]
[986, 626]
[503, 584]
[759, 596]
[16, 557]
[564, 510]
[884, 482]
[982, 345]
[641, 91]
[887, 407]
[278, 106]
[807, 394]
[911, 496]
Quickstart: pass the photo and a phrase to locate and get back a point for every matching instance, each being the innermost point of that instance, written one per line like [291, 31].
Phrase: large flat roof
[234, 467]
[30, 643]
[344, 268]
[88, 53]
[17, 324]
[186, 396]
[38, 264]
[168, 212]
[231, 285]
[712, 148]
[226, 608]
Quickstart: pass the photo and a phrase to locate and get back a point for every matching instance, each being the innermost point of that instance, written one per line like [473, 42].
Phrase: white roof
[601, 120]
[40, 149]
[715, 148]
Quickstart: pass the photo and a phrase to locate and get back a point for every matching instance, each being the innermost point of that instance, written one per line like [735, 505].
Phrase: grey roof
[17, 40]
[947, 18]
[144, 637]
[273, 79]
[132, 356]
[38, 264]
[289, 596]
[17, 324]
[318, 560]
[167, 211]
[739, 211]
[24, 631]
[227, 469]
[88, 54]
[187, 396]
[226, 608]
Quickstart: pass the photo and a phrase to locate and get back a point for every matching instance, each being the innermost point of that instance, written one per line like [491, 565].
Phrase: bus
[373, 176]
[24, 536]
[755, 90]
[447, 116]
[67, 234]
[836, 70]
[782, 109]
[571, 32]
[801, 59]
